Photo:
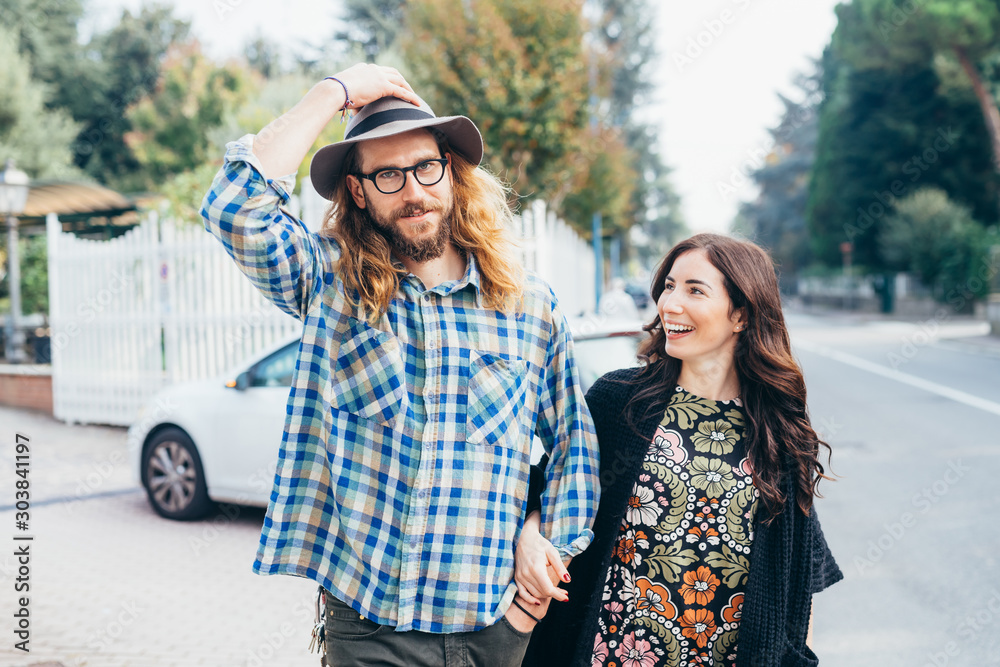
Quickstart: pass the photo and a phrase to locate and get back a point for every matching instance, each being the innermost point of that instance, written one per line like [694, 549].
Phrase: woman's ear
[739, 320]
[357, 192]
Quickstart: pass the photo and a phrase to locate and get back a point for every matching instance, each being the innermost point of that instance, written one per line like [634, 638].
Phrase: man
[427, 363]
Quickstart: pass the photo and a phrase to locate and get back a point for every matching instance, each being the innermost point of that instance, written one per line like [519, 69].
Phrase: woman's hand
[538, 567]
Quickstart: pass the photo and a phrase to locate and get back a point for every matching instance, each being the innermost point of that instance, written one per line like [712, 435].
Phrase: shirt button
[427, 298]
[422, 493]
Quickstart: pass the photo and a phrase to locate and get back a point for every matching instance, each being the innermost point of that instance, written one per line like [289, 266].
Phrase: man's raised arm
[283, 143]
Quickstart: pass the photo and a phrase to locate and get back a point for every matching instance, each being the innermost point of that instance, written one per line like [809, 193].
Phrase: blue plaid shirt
[403, 471]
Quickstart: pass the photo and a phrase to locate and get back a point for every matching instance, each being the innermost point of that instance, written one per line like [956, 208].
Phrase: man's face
[416, 220]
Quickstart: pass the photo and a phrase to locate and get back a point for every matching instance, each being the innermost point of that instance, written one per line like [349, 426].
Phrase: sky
[721, 66]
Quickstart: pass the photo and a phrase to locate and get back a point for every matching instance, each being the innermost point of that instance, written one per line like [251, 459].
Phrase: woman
[707, 548]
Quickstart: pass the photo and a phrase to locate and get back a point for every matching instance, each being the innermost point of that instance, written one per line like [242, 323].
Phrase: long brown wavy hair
[481, 225]
[778, 432]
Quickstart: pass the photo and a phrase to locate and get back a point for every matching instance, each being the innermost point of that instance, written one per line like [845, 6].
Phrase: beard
[417, 248]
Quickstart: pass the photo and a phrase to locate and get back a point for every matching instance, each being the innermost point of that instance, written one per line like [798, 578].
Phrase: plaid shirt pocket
[497, 388]
[368, 378]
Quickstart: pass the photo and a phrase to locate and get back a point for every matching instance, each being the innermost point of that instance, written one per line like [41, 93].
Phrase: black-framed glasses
[393, 179]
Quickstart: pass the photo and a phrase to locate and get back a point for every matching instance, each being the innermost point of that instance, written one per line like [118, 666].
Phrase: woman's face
[694, 310]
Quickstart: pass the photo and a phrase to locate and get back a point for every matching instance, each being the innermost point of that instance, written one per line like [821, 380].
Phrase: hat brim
[463, 137]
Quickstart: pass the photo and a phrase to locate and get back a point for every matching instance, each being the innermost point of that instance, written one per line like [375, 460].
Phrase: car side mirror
[242, 381]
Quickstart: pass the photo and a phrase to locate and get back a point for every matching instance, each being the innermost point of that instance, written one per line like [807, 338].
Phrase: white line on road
[898, 376]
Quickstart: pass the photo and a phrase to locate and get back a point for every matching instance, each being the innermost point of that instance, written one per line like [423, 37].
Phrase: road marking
[899, 376]
[69, 499]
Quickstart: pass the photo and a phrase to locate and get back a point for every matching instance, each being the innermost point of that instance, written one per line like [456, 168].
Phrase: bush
[939, 241]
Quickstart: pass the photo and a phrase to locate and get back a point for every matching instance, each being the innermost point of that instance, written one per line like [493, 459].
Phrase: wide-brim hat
[383, 118]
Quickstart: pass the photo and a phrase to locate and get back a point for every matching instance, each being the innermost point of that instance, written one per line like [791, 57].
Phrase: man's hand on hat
[364, 83]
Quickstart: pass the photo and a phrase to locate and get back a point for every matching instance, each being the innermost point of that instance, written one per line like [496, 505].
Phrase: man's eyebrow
[429, 156]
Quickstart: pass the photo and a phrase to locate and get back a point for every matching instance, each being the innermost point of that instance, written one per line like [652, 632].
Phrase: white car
[209, 441]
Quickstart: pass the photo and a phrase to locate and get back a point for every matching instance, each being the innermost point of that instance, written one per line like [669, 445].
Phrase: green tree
[37, 138]
[372, 27]
[884, 35]
[605, 181]
[940, 242]
[122, 67]
[882, 134]
[776, 219]
[46, 32]
[625, 45]
[171, 126]
[517, 68]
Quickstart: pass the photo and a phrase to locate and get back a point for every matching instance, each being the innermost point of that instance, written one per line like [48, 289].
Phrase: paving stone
[112, 583]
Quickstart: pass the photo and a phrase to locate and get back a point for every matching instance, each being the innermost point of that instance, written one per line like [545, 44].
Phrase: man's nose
[412, 190]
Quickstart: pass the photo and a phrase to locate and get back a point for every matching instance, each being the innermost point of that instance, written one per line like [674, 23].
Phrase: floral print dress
[674, 591]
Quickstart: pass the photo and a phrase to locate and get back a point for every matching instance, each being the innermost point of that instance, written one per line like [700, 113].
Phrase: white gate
[161, 304]
[164, 303]
[553, 250]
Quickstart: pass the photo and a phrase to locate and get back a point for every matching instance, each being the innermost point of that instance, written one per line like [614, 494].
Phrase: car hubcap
[171, 476]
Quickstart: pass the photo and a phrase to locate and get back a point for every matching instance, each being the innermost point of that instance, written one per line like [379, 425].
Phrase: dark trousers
[354, 641]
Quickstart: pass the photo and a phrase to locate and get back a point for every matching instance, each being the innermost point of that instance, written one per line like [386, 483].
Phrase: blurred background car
[640, 295]
[219, 440]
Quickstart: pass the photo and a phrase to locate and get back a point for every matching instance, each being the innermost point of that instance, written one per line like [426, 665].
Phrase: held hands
[538, 568]
[366, 83]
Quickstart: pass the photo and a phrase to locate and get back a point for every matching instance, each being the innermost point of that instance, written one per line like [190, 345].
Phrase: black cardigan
[789, 559]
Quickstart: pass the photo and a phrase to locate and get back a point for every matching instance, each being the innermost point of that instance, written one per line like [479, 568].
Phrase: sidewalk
[114, 585]
[964, 333]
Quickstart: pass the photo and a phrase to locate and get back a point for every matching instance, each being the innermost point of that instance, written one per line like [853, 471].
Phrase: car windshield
[597, 356]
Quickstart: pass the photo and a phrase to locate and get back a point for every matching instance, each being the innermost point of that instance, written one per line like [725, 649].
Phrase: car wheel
[173, 476]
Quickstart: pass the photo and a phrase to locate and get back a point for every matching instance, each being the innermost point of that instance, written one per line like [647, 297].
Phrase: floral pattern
[674, 591]
[715, 437]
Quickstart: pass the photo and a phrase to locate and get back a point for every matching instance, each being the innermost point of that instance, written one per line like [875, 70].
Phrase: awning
[81, 207]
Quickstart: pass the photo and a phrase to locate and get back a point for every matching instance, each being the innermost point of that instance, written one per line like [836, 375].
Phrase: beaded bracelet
[347, 99]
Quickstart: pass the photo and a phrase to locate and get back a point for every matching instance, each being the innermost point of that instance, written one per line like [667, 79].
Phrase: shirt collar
[471, 278]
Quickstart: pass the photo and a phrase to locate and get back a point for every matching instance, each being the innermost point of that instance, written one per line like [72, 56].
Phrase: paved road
[912, 519]
[112, 584]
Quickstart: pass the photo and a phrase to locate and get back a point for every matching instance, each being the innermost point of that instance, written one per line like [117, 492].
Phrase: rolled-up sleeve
[280, 256]
[572, 487]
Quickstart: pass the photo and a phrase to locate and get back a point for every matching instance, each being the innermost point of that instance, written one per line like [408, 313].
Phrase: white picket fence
[164, 303]
[161, 304]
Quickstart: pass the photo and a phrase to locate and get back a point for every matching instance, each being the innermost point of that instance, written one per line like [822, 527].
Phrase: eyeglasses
[392, 180]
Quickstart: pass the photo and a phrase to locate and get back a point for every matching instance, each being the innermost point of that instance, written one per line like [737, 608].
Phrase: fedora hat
[383, 118]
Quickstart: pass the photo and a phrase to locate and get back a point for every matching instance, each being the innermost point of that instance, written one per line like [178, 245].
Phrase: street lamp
[13, 197]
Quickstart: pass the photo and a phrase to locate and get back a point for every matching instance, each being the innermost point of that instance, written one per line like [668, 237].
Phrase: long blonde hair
[481, 226]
